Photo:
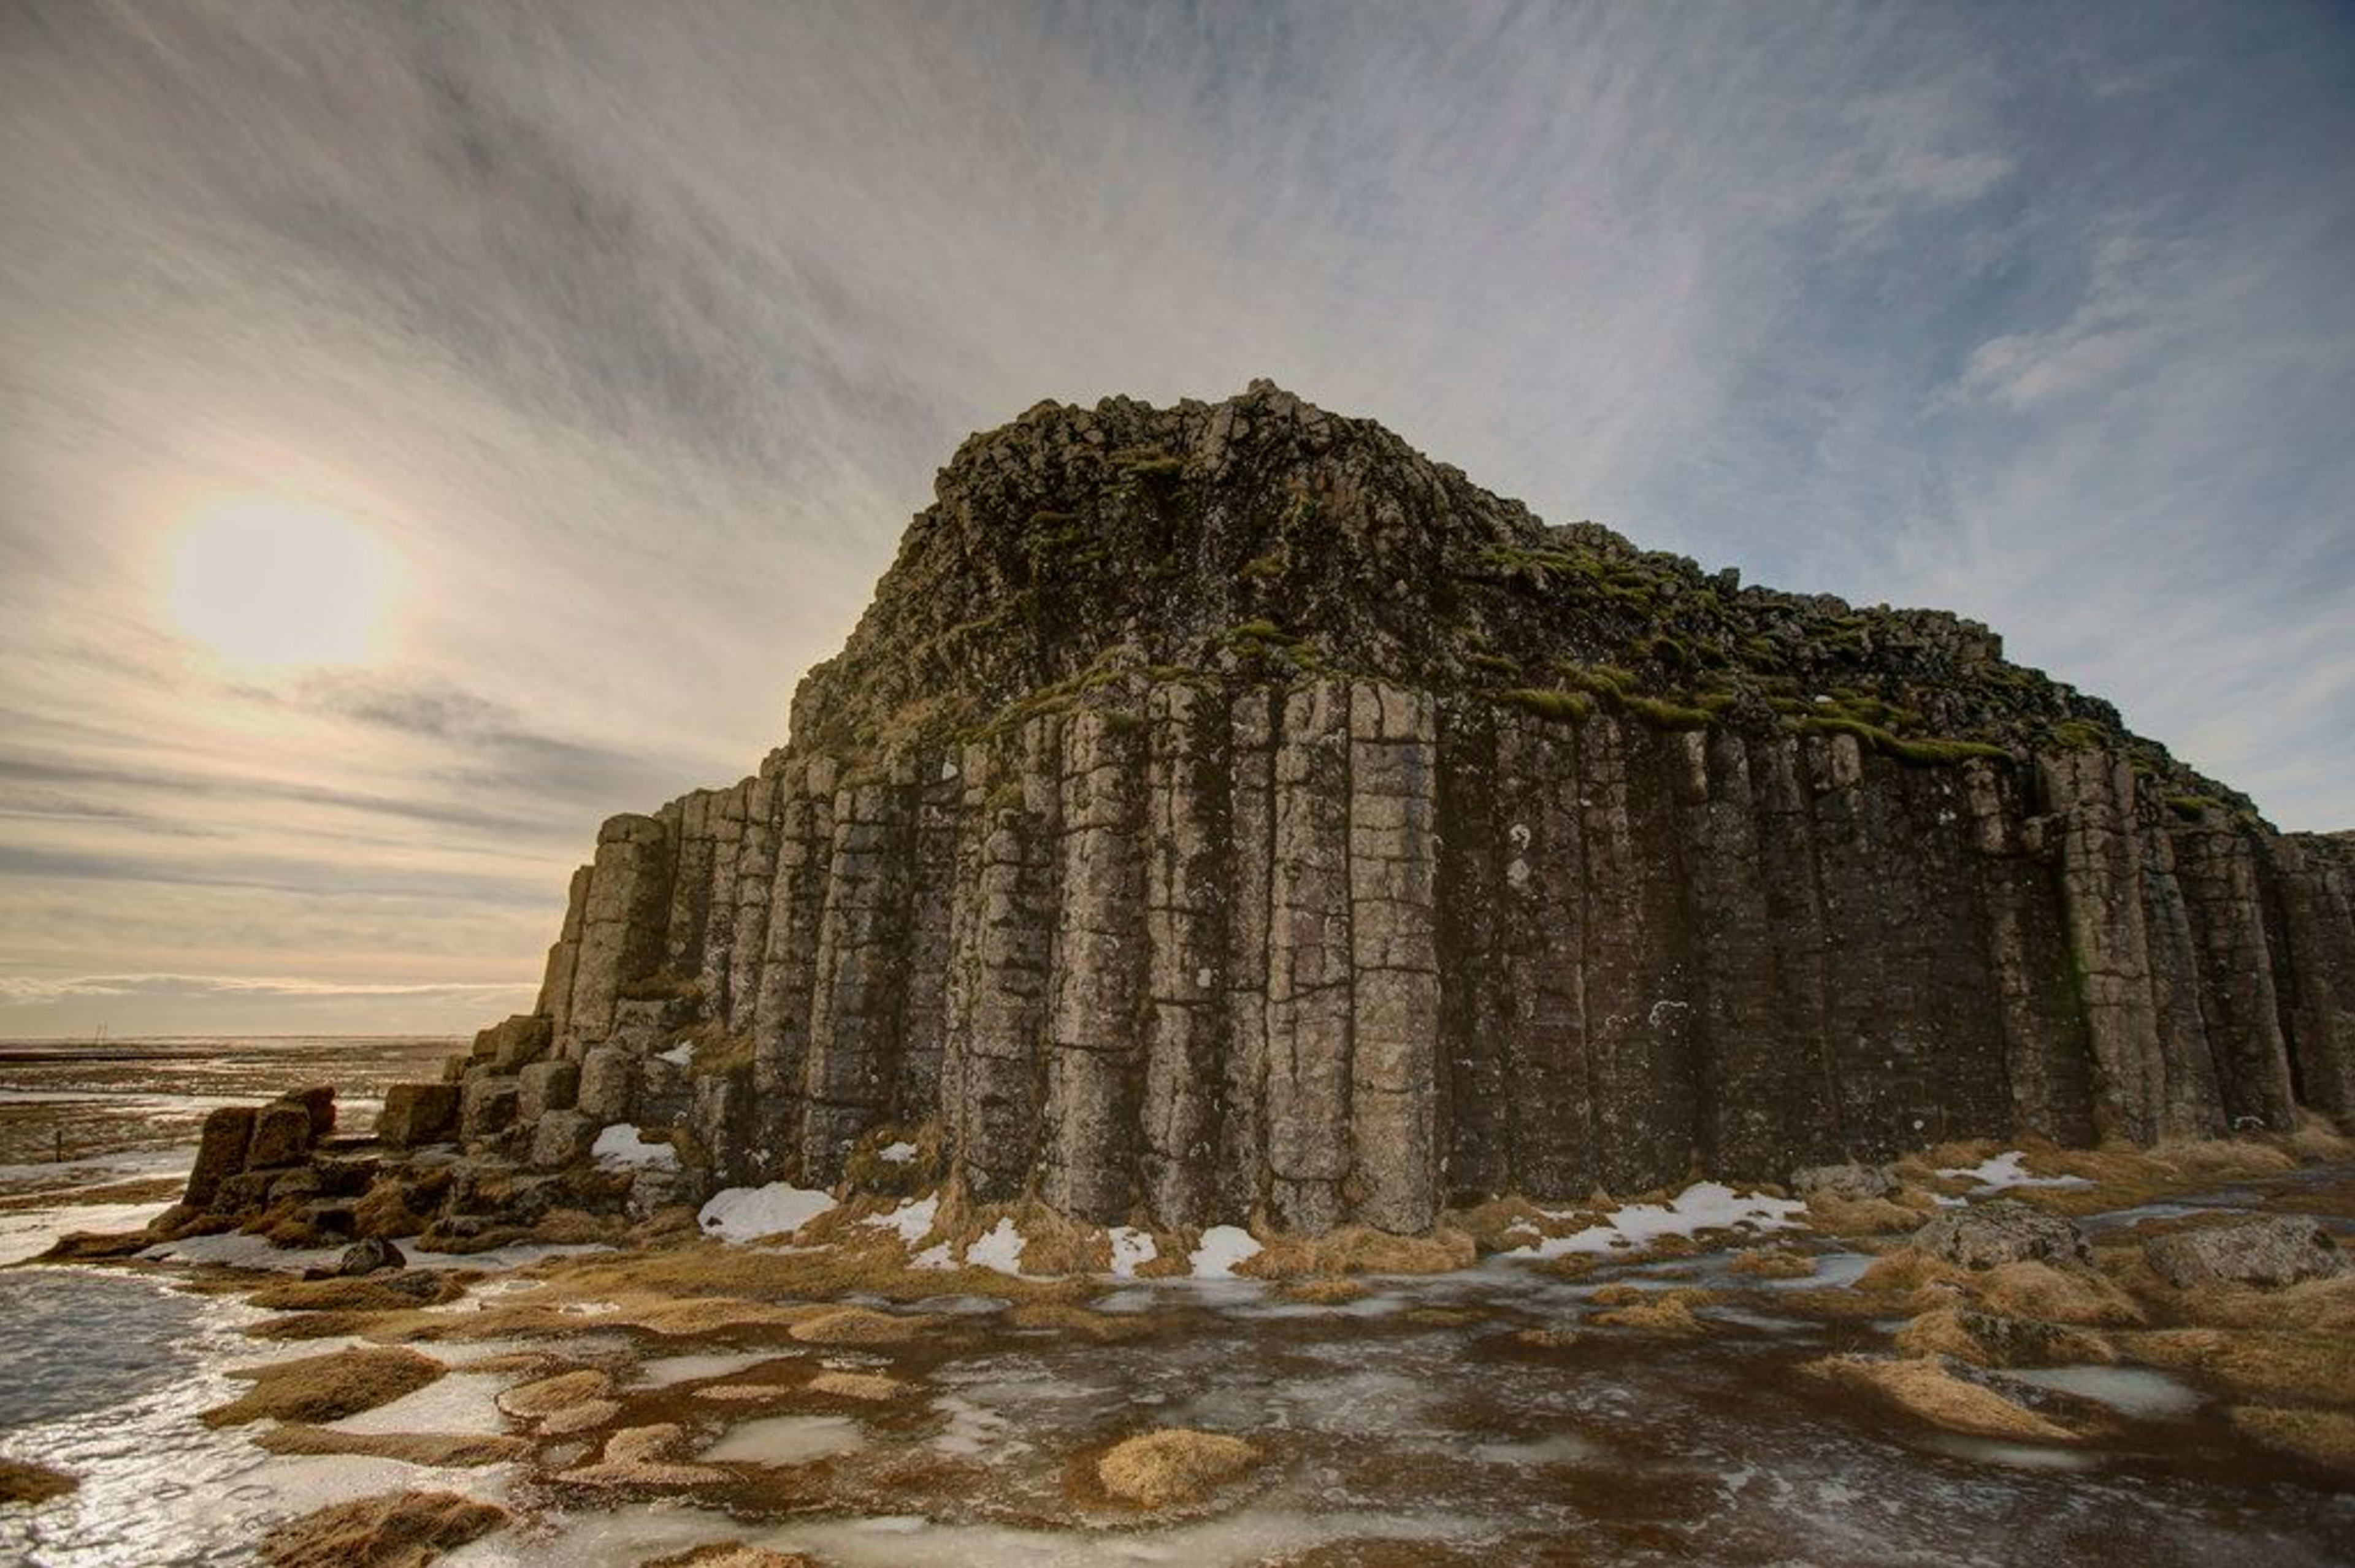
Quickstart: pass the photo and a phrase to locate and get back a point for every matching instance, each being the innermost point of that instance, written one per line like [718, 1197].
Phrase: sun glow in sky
[268, 581]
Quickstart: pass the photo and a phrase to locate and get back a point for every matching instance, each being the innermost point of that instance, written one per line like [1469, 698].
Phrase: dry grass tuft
[1547, 1339]
[1360, 1249]
[859, 1326]
[2037, 1290]
[2264, 1362]
[1099, 1326]
[638, 1457]
[1981, 1340]
[383, 1213]
[2318, 1139]
[1314, 1292]
[873, 1387]
[535, 1400]
[1907, 1269]
[399, 1530]
[1771, 1263]
[2325, 1436]
[1668, 1314]
[21, 1482]
[421, 1287]
[2324, 1307]
[328, 1387]
[1927, 1389]
[732, 1554]
[1175, 1465]
[1617, 1295]
[440, 1450]
[1861, 1216]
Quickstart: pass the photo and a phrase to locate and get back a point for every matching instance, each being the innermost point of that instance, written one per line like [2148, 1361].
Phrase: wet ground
[1478, 1417]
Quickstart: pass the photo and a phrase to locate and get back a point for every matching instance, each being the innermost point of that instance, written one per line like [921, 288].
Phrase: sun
[265, 580]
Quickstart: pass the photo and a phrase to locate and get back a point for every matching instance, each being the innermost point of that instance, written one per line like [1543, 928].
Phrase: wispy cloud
[636, 332]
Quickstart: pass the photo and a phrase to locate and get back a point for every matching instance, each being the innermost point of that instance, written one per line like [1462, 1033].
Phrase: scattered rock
[327, 1388]
[1175, 1465]
[1846, 1183]
[375, 1256]
[1987, 1339]
[2265, 1250]
[1984, 1235]
[397, 1529]
[22, 1482]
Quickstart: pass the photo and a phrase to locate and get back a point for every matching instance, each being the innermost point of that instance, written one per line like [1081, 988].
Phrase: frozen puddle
[669, 1372]
[1560, 1449]
[2017, 1455]
[2130, 1391]
[460, 1404]
[786, 1440]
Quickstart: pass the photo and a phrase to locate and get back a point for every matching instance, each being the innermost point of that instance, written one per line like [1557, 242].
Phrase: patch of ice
[1222, 1247]
[669, 1372]
[933, 1258]
[461, 1403]
[1562, 1448]
[1704, 1206]
[2007, 1170]
[896, 1153]
[912, 1220]
[235, 1251]
[679, 1055]
[1000, 1250]
[786, 1440]
[29, 1233]
[621, 1147]
[2129, 1391]
[973, 1430]
[2019, 1455]
[748, 1213]
[1130, 1250]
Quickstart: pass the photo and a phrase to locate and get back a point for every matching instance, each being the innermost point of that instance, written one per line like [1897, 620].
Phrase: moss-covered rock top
[1078, 551]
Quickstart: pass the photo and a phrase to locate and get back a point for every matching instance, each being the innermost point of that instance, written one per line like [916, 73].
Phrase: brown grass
[2317, 1138]
[2262, 1362]
[1907, 1269]
[1925, 1389]
[1861, 1216]
[328, 1387]
[859, 1326]
[437, 1450]
[21, 1482]
[399, 1530]
[1174, 1465]
[1547, 1339]
[760, 1274]
[1313, 1292]
[1667, 1315]
[2323, 1307]
[873, 1387]
[1616, 1295]
[1360, 1249]
[1771, 1263]
[383, 1213]
[1099, 1326]
[2325, 1436]
[637, 1457]
[533, 1401]
[2029, 1290]
[732, 1554]
[425, 1287]
[1946, 1331]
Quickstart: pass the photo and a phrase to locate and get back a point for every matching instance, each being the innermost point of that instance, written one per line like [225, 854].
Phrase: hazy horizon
[427, 431]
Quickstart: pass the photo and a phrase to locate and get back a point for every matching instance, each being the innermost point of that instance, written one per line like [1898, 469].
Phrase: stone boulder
[1985, 1235]
[561, 1139]
[546, 1086]
[220, 1152]
[511, 1045]
[372, 1256]
[2268, 1249]
[1849, 1183]
[282, 1135]
[418, 1114]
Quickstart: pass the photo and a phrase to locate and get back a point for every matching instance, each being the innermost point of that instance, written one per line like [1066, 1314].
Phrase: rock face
[1224, 809]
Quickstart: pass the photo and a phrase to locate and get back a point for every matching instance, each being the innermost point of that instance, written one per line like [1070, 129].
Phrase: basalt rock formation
[1224, 811]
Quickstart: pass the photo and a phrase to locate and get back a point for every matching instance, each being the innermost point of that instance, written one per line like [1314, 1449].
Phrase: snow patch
[1130, 1250]
[912, 1220]
[2007, 1170]
[679, 1055]
[896, 1153]
[1000, 1250]
[620, 1146]
[748, 1213]
[1704, 1206]
[1222, 1247]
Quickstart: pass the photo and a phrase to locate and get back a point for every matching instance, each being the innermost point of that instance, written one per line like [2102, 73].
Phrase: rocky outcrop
[1225, 810]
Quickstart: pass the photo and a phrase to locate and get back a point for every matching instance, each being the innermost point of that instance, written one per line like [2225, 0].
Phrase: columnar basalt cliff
[1223, 811]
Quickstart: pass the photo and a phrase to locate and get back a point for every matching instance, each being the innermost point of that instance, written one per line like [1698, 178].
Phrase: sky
[557, 380]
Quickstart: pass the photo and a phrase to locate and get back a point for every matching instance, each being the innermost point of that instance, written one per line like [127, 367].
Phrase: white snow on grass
[1704, 1206]
[896, 1153]
[912, 1220]
[748, 1213]
[1130, 1250]
[1222, 1247]
[1000, 1250]
[621, 1146]
[679, 1055]
[2007, 1170]
[933, 1258]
